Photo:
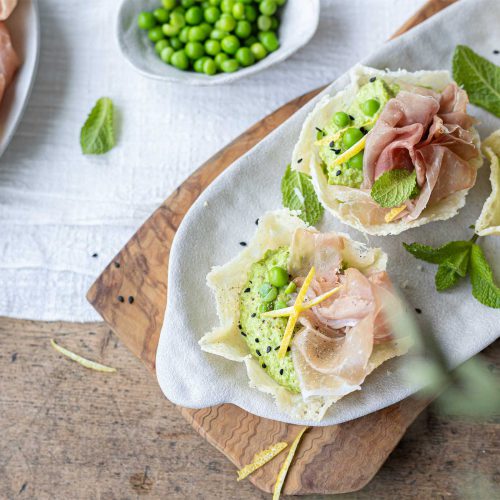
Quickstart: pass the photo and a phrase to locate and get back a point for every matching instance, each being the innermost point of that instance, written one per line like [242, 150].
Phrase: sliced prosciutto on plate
[9, 60]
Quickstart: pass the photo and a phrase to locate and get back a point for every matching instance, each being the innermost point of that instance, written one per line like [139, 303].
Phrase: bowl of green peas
[209, 42]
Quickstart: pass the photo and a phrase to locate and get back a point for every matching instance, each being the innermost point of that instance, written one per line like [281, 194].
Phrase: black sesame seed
[281, 371]
[332, 144]
[120, 298]
[338, 172]
[247, 290]
[288, 349]
[117, 264]
[277, 348]
[131, 299]
[253, 315]
[243, 243]
[496, 51]
[94, 255]
[258, 353]
[351, 117]
[299, 160]
[373, 78]
[256, 339]
[244, 334]
[268, 348]
[418, 310]
[363, 130]
[239, 326]
[318, 129]
[256, 222]
[337, 151]
[264, 365]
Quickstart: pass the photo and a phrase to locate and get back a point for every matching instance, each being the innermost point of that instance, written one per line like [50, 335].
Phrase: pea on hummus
[267, 289]
[348, 127]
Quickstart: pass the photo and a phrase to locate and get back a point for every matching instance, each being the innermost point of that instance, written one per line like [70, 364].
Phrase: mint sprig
[394, 187]
[455, 259]
[479, 77]
[97, 134]
[298, 194]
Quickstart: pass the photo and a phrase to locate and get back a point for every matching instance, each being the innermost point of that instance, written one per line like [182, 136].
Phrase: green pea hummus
[331, 145]
[263, 335]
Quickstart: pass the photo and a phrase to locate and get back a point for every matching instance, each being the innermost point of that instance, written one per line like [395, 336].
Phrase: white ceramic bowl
[299, 21]
[24, 27]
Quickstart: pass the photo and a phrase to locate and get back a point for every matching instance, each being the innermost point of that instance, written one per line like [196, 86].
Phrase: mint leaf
[440, 254]
[97, 134]
[445, 278]
[298, 194]
[479, 77]
[394, 187]
[481, 277]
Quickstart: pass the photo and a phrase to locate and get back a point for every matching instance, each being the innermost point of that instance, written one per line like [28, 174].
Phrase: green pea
[184, 34]
[194, 15]
[269, 40]
[251, 13]
[177, 19]
[271, 291]
[245, 56]
[214, 2]
[243, 29]
[264, 23]
[341, 119]
[194, 50]
[258, 50]
[278, 276]
[180, 60]
[212, 47]
[268, 7]
[248, 42]
[220, 58]
[196, 34]
[187, 3]
[217, 34]
[370, 107]
[155, 34]
[160, 45]
[352, 136]
[230, 66]
[169, 4]
[274, 23]
[357, 161]
[227, 5]
[207, 29]
[265, 307]
[179, 10]
[212, 14]
[161, 15]
[166, 54]
[170, 30]
[176, 43]
[198, 64]
[209, 67]
[226, 23]
[146, 20]
[205, 4]
[279, 304]
[290, 288]
[230, 44]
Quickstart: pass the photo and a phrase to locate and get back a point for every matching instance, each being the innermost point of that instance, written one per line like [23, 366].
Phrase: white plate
[298, 24]
[225, 213]
[24, 27]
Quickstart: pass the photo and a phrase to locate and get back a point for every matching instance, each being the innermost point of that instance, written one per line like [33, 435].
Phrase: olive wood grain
[332, 459]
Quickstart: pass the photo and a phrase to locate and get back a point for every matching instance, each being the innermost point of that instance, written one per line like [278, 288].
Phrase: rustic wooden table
[70, 433]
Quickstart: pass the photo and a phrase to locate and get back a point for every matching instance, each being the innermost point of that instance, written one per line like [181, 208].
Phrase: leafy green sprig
[455, 260]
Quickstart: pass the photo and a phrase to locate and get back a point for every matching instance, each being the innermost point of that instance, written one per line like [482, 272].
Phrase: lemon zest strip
[87, 363]
[260, 459]
[352, 151]
[287, 336]
[280, 480]
[394, 212]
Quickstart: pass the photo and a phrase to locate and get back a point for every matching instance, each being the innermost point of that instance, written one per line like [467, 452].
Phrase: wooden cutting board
[333, 459]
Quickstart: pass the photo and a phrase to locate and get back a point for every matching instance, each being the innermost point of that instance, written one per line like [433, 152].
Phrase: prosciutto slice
[9, 61]
[427, 132]
[331, 353]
